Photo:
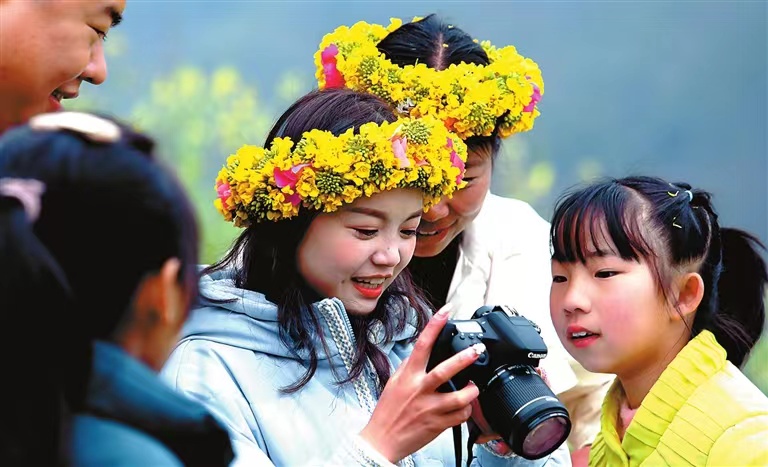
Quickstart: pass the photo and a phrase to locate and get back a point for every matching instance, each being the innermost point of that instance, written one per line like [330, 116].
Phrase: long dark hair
[672, 226]
[109, 215]
[438, 44]
[263, 257]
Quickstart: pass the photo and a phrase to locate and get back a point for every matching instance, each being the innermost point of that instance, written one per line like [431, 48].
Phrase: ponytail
[740, 316]
[33, 303]
[732, 269]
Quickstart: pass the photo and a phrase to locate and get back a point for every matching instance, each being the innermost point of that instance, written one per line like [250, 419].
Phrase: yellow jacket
[702, 412]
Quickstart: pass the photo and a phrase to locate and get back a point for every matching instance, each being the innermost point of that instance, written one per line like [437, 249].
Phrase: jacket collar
[125, 390]
[696, 363]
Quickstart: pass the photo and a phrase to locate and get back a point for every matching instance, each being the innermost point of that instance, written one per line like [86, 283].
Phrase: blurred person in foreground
[47, 49]
[98, 253]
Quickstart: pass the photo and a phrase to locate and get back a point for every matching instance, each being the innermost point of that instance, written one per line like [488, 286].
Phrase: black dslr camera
[516, 402]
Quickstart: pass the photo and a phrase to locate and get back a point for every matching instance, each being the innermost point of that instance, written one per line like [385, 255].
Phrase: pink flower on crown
[456, 161]
[535, 98]
[333, 78]
[289, 178]
[399, 147]
[224, 192]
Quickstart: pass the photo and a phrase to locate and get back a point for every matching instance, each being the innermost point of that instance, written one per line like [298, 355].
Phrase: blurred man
[47, 48]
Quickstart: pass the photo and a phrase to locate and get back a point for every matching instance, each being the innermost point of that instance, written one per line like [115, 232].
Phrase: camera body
[516, 402]
[509, 339]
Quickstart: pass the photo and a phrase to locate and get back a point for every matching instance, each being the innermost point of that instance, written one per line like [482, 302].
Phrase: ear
[168, 305]
[689, 295]
[157, 299]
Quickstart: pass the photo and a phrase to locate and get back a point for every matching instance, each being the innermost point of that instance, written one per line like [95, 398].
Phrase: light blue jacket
[231, 358]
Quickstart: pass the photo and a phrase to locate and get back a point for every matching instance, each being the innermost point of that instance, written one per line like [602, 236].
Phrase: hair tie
[27, 191]
[690, 195]
[92, 127]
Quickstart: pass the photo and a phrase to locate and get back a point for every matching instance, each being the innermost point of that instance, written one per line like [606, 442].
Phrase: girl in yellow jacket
[646, 285]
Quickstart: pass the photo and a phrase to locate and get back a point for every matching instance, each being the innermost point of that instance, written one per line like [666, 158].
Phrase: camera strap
[474, 433]
[457, 445]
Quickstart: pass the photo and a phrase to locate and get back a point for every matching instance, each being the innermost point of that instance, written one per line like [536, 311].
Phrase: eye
[469, 179]
[408, 233]
[366, 233]
[605, 274]
[558, 279]
[102, 34]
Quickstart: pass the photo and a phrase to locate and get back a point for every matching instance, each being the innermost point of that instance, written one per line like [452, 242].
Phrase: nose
[576, 299]
[436, 212]
[388, 255]
[96, 70]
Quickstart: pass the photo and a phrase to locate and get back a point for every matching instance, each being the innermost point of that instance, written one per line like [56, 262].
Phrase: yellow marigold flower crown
[322, 171]
[468, 98]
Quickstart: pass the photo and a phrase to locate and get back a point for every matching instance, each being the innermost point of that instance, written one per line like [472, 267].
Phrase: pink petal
[285, 178]
[399, 147]
[457, 162]
[333, 78]
[288, 177]
[329, 54]
[294, 199]
[535, 98]
[224, 192]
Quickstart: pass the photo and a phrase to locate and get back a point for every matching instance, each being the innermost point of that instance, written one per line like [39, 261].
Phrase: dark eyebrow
[116, 16]
[379, 214]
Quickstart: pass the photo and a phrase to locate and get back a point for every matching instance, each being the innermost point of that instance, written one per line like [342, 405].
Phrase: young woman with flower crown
[646, 284]
[304, 343]
[475, 248]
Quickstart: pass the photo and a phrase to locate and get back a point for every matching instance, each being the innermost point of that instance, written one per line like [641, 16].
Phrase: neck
[5, 124]
[434, 274]
[9, 114]
[140, 348]
[638, 383]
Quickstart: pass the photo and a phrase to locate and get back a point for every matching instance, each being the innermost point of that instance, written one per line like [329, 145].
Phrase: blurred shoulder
[98, 441]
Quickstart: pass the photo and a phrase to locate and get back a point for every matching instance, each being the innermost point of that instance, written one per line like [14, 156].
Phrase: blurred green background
[671, 88]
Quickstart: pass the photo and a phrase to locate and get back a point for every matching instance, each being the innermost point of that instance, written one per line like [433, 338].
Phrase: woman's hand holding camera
[411, 412]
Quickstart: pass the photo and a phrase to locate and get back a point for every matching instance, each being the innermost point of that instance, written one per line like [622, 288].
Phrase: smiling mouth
[581, 335]
[428, 234]
[433, 232]
[373, 283]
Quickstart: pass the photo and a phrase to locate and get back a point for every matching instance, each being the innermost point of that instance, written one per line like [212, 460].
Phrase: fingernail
[479, 348]
[475, 351]
[444, 311]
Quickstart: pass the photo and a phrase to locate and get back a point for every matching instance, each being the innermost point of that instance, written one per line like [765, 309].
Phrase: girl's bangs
[599, 220]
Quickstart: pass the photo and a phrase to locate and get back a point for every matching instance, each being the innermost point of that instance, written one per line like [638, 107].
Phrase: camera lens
[539, 441]
[521, 408]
